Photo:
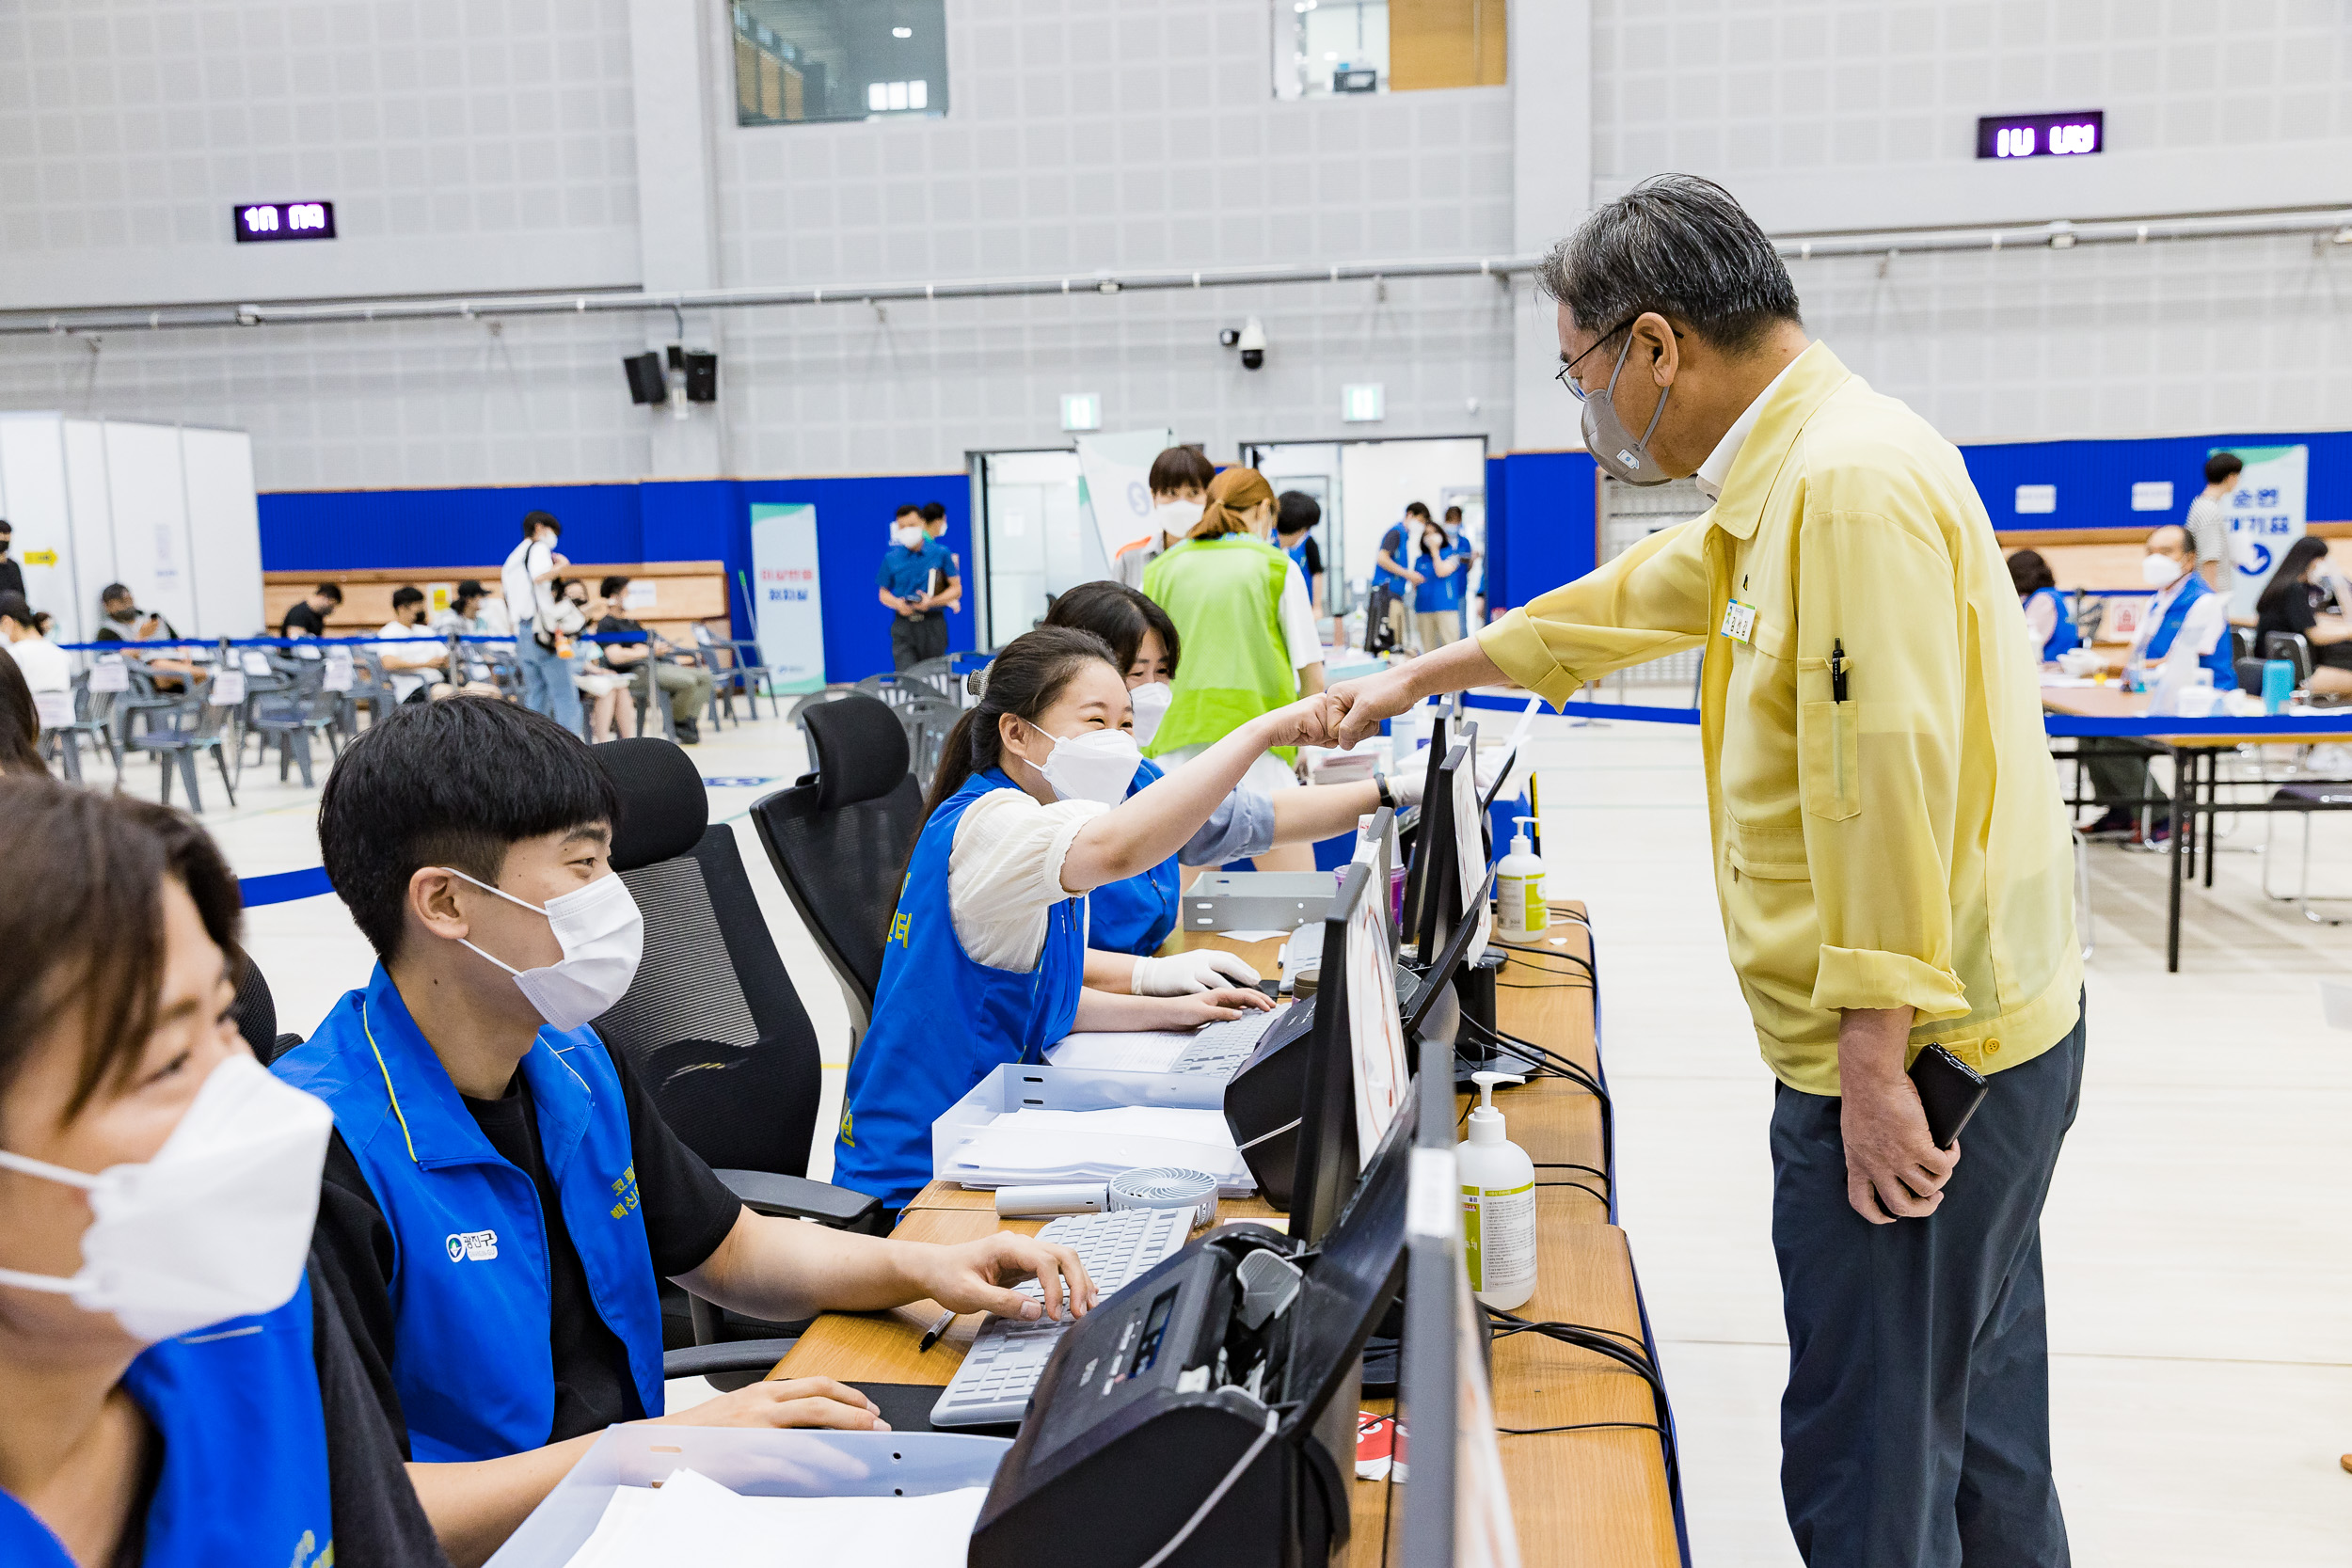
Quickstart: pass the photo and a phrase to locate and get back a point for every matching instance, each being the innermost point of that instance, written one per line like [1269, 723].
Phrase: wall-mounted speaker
[702, 376]
[647, 381]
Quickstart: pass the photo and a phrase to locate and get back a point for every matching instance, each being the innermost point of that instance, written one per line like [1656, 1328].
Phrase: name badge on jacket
[1739, 621]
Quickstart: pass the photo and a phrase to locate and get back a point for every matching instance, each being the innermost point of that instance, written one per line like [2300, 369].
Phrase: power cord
[1612, 1346]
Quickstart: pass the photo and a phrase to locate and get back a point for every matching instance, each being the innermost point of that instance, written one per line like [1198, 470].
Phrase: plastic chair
[840, 839]
[712, 1025]
[741, 672]
[93, 721]
[295, 713]
[199, 724]
[939, 674]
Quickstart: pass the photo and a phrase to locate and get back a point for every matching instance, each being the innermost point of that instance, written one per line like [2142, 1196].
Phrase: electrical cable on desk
[1548, 1061]
[1580, 1187]
[1513, 1323]
[1557, 985]
[1605, 1343]
[1580, 1426]
[1568, 1165]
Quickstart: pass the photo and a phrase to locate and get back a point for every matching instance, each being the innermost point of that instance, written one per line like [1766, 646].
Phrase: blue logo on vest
[477, 1246]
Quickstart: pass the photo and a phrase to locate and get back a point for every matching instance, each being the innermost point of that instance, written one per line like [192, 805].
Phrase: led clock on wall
[285, 221]
[2068, 135]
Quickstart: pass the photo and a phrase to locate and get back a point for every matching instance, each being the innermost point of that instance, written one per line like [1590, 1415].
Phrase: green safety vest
[1225, 595]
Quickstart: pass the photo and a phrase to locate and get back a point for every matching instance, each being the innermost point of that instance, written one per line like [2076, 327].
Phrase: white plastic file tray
[1055, 1088]
[757, 1460]
[1258, 900]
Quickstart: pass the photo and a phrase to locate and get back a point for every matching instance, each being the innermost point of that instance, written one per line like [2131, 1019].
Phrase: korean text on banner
[791, 621]
[2266, 516]
[1115, 471]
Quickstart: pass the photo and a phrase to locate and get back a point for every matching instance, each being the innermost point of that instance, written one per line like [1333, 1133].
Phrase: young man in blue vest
[500, 1196]
[2185, 626]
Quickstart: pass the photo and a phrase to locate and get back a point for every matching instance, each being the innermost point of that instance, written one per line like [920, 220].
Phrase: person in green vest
[1249, 632]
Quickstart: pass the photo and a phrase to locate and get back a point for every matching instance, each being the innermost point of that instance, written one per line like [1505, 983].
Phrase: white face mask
[2161, 571]
[1096, 764]
[1175, 519]
[603, 935]
[907, 538]
[1150, 700]
[217, 1226]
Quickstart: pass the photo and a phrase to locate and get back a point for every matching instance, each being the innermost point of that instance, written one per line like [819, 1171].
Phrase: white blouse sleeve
[1004, 874]
[1297, 615]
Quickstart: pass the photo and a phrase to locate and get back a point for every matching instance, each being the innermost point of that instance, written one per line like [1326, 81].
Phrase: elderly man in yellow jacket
[1891, 855]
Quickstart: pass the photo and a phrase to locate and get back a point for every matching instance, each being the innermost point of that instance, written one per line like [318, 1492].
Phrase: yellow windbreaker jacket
[1891, 838]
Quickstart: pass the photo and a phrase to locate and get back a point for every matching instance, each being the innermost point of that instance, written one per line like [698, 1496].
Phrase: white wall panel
[33, 499]
[224, 531]
[150, 519]
[90, 495]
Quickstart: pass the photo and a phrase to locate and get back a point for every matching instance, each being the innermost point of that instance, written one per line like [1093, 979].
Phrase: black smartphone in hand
[1949, 1091]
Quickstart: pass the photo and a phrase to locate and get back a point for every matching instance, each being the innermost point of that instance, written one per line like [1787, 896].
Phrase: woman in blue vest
[170, 1393]
[501, 1197]
[2046, 615]
[986, 962]
[1442, 564]
[1137, 915]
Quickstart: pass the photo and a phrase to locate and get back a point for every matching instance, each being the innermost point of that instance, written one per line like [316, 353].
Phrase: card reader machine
[1213, 1400]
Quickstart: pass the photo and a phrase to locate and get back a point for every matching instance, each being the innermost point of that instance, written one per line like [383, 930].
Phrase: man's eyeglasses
[1566, 376]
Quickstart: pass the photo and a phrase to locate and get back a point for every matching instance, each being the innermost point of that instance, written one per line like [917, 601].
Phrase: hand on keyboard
[976, 1276]
[1208, 1006]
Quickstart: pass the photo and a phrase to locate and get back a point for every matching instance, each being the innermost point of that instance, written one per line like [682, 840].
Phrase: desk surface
[2113, 702]
[1592, 1497]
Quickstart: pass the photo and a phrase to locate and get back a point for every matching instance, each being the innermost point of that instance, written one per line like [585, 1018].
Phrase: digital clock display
[2068, 135]
[285, 221]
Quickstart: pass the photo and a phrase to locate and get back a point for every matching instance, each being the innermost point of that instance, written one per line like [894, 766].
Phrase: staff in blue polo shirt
[500, 1195]
[171, 1391]
[917, 585]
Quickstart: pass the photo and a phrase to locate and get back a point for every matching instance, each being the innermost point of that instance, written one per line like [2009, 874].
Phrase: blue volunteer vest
[2224, 668]
[1298, 553]
[2064, 637]
[471, 1287]
[244, 1450]
[1435, 594]
[1135, 915]
[942, 1021]
[1393, 546]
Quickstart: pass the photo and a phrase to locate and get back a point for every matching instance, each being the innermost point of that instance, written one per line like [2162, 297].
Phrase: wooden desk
[1588, 1497]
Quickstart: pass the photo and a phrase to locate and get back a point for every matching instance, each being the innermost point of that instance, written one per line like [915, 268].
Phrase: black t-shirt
[688, 1212]
[303, 618]
[11, 577]
[378, 1521]
[1313, 568]
[2289, 611]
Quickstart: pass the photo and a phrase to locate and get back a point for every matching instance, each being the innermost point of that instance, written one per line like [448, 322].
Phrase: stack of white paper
[1039, 1145]
[1131, 1051]
[693, 1519]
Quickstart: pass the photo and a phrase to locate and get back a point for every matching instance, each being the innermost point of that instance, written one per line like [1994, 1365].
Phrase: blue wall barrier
[707, 519]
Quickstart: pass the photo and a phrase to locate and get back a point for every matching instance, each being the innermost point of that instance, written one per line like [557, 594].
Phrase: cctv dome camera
[1252, 344]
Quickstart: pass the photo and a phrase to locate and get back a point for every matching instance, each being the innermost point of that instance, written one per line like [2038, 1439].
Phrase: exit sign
[2068, 135]
[285, 221]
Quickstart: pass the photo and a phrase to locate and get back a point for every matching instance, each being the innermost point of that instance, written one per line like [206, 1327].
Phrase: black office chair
[838, 839]
[256, 1012]
[2293, 647]
[718, 1036]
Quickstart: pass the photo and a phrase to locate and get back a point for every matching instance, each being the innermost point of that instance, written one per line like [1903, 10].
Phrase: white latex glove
[1407, 786]
[1181, 974]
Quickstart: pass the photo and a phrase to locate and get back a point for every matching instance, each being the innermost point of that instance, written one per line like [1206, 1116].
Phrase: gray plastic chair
[199, 725]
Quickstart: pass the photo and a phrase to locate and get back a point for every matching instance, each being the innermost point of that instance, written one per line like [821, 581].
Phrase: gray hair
[1679, 245]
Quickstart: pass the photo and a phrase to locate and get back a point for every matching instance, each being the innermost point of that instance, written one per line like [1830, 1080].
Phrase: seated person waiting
[1137, 915]
[679, 678]
[175, 1387]
[2291, 601]
[987, 959]
[500, 1196]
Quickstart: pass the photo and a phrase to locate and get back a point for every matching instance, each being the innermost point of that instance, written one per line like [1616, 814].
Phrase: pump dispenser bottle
[1520, 913]
[1497, 1202]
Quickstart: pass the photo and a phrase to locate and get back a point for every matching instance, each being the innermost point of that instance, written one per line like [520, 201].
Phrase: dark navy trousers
[1916, 1430]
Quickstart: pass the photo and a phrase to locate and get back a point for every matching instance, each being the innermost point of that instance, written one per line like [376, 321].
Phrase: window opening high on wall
[807, 61]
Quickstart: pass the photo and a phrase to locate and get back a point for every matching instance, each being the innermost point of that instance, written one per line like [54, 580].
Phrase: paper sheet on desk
[1032, 1145]
[1129, 1050]
[693, 1521]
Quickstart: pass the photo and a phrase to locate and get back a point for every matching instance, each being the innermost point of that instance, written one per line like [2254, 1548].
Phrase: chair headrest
[861, 751]
[664, 807]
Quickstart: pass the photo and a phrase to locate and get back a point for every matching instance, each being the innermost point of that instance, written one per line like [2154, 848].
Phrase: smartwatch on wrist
[1387, 796]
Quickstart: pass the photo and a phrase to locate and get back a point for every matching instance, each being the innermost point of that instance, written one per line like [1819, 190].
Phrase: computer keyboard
[1223, 1046]
[992, 1385]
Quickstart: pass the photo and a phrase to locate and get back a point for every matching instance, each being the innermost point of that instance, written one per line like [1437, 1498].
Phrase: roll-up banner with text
[1114, 488]
[791, 611]
[2266, 516]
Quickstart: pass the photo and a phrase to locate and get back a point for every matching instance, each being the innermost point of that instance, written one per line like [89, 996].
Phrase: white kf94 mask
[217, 1226]
[603, 935]
[1095, 765]
[1150, 702]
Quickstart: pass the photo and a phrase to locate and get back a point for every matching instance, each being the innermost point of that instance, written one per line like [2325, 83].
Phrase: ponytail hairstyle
[1117, 614]
[1023, 680]
[1231, 494]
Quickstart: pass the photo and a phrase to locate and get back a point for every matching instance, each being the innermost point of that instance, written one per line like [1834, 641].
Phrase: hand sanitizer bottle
[1498, 1203]
[1520, 913]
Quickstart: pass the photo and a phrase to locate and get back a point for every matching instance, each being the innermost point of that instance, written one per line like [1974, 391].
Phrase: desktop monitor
[1357, 1073]
[1416, 872]
[1451, 859]
[1456, 1509]
[1376, 850]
